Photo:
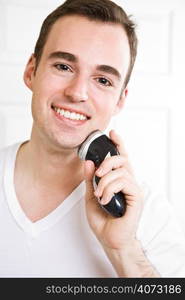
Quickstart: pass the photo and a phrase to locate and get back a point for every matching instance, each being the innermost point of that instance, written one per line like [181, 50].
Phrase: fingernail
[103, 201]
[97, 193]
[99, 171]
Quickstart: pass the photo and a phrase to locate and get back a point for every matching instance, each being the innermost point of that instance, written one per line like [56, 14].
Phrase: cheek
[106, 106]
[48, 84]
[43, 96]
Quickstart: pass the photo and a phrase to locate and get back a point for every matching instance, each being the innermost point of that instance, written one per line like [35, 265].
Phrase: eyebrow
[72, 58]
[64, 55]
[109, 70]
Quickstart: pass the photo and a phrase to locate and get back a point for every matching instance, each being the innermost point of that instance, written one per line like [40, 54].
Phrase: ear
[121, 101]
[29, 72]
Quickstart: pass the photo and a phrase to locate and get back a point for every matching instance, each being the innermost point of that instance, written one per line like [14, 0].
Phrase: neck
[46, 165]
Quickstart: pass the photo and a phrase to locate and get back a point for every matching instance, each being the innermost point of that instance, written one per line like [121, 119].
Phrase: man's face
[78, 83]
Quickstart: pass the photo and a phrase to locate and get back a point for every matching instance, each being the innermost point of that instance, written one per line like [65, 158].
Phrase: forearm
[131, 261]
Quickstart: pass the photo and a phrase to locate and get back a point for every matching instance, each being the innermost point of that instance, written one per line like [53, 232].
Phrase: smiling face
[77, 86]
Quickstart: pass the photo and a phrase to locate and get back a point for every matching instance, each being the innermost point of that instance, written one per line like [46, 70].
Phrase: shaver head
[83, 149]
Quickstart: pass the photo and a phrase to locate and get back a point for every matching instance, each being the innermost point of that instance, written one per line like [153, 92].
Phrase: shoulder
[3, 152]
[7, 159]
[158, 214]
[3, 155]
[161, 235]
[6, 152]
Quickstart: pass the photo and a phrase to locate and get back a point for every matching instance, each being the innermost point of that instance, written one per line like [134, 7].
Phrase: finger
[112, 176]
[117, 140]
[111, 163]
[89, 170]
[131, 191]
[92, 204]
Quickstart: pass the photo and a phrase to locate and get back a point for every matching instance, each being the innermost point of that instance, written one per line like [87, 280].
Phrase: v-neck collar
[34, 228]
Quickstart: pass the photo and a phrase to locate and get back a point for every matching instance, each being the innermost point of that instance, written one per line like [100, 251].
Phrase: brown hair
[100, 10]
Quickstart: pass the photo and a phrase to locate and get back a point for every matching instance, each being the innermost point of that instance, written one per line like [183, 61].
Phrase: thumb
[89, 170]
[92, 205]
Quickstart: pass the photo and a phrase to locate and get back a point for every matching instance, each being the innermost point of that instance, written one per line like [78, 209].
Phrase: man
[51, 222]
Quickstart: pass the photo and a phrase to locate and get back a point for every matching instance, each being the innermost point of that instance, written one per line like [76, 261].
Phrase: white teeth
[67, 114]
[73, 116]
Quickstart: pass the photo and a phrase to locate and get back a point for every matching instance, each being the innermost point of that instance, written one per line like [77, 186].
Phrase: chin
[68, 144]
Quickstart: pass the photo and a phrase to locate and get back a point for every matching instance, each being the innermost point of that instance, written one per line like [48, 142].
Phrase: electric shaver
[96, 147]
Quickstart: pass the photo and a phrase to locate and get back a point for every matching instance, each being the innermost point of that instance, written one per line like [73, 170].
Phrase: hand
[116, 175]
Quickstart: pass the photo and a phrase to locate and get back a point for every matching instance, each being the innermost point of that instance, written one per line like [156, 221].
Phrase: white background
[152, 123]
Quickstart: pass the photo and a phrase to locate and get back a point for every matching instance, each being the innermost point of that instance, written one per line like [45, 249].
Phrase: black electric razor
[96, 147]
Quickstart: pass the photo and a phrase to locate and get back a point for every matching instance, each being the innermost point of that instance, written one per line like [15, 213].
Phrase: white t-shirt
[62, 243]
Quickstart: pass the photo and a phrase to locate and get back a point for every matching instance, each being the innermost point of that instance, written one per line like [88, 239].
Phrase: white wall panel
[154, 38]
[13, 89]
[146, 136]
[22, 25]
[2, 27]
[15, 124]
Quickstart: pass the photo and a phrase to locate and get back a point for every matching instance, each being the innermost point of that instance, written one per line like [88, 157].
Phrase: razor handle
[96, 148]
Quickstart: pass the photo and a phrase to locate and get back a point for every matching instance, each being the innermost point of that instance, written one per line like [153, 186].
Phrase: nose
[77, 90]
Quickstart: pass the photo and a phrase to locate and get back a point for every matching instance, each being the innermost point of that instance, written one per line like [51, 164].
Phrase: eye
[62, 67]
[104, 81]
